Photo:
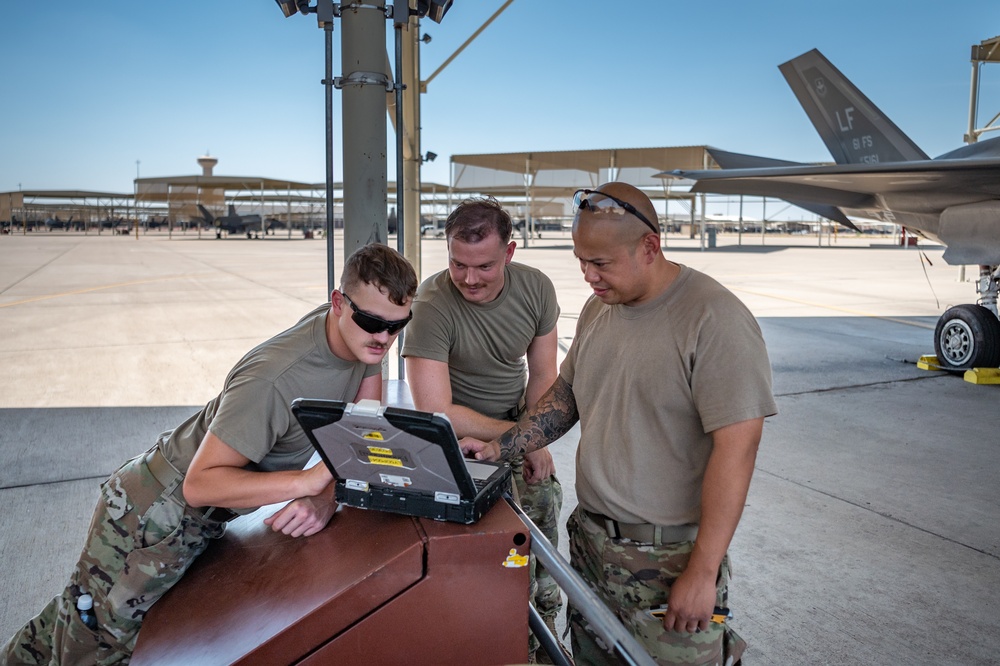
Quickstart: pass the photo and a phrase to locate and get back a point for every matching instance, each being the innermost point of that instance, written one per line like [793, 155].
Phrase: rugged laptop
[400, 460]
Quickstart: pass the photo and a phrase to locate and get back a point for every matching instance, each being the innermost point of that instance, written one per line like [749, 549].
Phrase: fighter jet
[233, 223]
[881, 174]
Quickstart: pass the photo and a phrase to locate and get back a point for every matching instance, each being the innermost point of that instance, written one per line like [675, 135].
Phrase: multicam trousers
[542, 502]
[631, 578]
[141, 541]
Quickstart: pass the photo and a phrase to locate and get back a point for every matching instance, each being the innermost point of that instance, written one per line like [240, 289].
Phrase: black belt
[656, 535]
[165, 474]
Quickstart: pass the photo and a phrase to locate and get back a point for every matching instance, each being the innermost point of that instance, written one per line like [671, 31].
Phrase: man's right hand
[538, 466]
[479, 449]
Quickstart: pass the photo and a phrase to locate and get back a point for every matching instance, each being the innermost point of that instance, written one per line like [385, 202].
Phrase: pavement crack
[848, 387]
[241, 276]
[36, 484]
[38, 268]
[883, 514]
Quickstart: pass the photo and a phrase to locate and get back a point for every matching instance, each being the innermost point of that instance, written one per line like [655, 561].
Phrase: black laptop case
[400, 460]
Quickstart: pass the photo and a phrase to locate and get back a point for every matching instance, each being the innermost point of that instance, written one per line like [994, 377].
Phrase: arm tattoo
[546, 422]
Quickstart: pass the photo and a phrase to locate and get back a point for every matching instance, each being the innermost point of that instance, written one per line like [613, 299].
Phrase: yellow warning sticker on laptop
[379, 451]
[373, 434]
[380, 460]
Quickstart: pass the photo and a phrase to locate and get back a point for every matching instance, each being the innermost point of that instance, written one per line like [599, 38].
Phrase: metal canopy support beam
[412, 153]
[526, 236]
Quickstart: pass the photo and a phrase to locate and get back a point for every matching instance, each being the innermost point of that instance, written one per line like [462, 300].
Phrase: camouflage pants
[542, 502]
[141, 541]
[631, 578]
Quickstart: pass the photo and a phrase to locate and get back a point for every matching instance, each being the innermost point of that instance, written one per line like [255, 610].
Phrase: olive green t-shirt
[651, 382]
[252, 414]
[483, 343]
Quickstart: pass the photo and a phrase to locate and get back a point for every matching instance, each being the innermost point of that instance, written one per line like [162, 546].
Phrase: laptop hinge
[366, 407]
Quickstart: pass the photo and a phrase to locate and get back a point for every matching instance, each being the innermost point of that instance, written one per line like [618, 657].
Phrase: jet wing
[729, 161]
[939, 182]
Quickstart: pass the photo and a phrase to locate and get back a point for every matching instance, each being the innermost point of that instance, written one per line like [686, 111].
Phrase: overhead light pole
[364, 84]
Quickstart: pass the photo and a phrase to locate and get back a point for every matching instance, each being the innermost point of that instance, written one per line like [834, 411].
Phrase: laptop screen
[389, 447]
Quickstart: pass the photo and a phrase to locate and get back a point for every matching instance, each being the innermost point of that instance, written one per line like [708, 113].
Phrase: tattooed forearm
[549, 420]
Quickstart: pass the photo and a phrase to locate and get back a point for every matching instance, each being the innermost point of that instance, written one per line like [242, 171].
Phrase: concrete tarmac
[872, 531]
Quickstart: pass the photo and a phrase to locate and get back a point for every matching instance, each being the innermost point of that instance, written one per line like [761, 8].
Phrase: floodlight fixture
[287, 7]
[290, 7]
[430, 157]
[426, 39]
[433, 9]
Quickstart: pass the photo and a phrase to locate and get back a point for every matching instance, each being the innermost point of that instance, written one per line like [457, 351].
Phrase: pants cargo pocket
[153, 569]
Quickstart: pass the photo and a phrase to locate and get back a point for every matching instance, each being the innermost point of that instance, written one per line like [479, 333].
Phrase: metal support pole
[363, 88]
[623, 644]
[739, 232]
[694, 207]
[526, 236]
[401, 129]
[331, 275]
[973, 136]
[763, 221]
[413, 151]
[701, 241]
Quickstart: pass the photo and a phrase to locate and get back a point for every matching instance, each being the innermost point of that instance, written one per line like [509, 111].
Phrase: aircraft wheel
[967, 336]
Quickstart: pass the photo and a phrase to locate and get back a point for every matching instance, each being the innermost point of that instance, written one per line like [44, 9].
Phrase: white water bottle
[85, 606]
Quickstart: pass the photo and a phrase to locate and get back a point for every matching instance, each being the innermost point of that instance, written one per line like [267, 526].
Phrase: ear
[651, 245]
[509, 254]
[336, 302]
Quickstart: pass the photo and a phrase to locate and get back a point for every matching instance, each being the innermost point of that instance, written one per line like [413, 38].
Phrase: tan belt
[165, 474]
[656, 535]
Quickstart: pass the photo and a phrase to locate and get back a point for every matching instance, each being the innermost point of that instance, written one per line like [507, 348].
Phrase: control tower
[207, 163]
[212, 198]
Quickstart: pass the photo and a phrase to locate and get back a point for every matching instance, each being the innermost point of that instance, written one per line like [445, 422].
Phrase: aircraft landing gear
[968, 336]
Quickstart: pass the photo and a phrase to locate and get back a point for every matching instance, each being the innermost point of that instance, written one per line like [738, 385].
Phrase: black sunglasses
[373, 324]
[582, 201]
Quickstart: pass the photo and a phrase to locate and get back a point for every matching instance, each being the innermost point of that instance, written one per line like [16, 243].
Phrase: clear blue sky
[90, 88]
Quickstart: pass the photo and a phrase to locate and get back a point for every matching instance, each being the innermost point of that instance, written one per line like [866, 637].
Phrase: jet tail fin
[209, 218]
[728, 160]
[854, 130]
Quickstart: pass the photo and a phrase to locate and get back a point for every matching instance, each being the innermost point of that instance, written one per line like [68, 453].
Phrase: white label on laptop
[354, 484]
[398, 481]
[447, 498]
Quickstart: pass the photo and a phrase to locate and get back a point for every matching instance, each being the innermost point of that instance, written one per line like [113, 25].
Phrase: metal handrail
[584, 600]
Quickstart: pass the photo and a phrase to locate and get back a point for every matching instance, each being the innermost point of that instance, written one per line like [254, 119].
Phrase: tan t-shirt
[483, 343]
[651, 382]
[252, 414]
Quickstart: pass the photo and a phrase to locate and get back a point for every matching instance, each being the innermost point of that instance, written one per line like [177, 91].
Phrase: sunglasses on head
[373, 324]
[584, 200]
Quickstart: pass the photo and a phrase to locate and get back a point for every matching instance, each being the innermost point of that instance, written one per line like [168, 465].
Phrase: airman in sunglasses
[243, 450]
[669, 378]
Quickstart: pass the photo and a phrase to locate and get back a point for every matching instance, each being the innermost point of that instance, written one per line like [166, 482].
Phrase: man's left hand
[538, 466]
[692, 598]
[303, 517]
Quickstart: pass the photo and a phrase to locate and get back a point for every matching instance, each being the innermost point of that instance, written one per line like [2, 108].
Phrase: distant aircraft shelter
[548, 177]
